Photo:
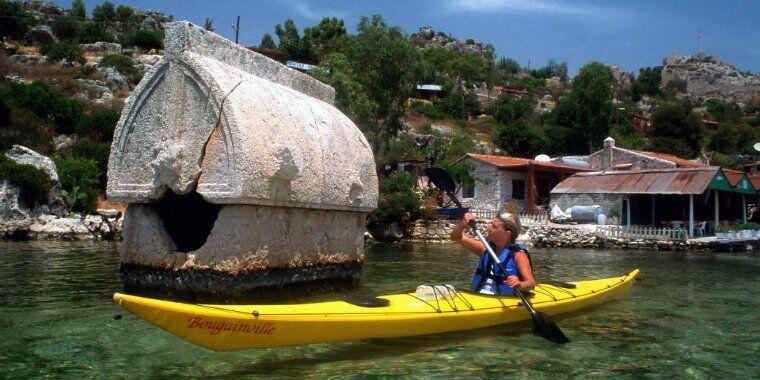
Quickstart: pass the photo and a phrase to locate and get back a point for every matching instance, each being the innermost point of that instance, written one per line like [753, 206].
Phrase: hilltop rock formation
[429, 38]
[707, 77]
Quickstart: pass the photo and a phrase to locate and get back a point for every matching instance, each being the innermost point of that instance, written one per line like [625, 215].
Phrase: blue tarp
[452, 211]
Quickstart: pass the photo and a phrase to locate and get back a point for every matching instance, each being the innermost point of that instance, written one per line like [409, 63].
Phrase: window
[518, 189]
[468, 190]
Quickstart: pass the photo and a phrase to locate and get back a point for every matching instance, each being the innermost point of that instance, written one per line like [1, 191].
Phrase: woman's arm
[470, 244]
[523, 266]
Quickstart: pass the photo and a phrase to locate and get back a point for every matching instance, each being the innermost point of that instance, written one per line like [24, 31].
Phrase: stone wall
[579, 236]
[488, 186]
[493, 188]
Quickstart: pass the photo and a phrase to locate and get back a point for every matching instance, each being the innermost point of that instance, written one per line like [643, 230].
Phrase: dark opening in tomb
[188, 219]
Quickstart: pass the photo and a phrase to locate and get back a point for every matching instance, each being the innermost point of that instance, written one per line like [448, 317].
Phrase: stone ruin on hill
[240, 175]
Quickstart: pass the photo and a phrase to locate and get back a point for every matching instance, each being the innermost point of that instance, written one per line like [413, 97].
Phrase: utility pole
[237, 29]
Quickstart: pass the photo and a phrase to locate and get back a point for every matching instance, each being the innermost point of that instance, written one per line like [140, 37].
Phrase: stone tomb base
[187, 248]
[209, 286]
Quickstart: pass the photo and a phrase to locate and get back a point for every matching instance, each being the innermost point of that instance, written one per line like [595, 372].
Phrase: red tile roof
[733, 177]
[516, 162]
[755, 179]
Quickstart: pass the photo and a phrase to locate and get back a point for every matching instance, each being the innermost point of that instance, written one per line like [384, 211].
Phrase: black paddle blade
[545, 327]
[441, 179]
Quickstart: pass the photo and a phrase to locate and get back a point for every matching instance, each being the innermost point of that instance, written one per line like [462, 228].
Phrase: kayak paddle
[543, 325]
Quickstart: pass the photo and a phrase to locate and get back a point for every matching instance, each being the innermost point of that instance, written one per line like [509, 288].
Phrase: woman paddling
[501, 234]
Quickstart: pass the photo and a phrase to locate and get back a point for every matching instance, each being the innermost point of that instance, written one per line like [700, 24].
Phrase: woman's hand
[468, 217]
[512, 281]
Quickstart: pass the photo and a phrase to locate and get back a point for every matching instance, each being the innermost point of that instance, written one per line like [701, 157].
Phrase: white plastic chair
[699, 229]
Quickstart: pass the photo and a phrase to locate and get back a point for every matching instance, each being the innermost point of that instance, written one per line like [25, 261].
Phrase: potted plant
[733, 231]
[755, 229]
[613, 216]
[721, 232]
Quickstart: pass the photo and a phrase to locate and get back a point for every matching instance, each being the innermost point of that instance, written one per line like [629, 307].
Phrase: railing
[641, 232]
[486, 213]
[525, 218]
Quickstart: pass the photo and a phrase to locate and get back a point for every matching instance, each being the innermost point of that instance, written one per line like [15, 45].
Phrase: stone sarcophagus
[239, 173]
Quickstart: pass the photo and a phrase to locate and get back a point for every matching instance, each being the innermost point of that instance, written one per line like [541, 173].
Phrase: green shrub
[460, 104]
[398, 204]
[58, 110]
[15, 20]
[24, 128]
[76, 171]
[397, 182]
[123, 64]
[97, 151]
[63, 50]
[5, 113]
[85, 200]
[66, 29]
[87, 71]
[34, 183]
[145, 40]
[79, 175]
[99, 125]
[429, 110]
[91, 33]
[400, 208]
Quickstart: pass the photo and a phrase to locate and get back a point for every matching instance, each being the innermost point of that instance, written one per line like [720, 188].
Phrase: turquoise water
[692, 315]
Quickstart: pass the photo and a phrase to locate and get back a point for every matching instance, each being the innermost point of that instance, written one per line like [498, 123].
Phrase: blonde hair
[511, 223]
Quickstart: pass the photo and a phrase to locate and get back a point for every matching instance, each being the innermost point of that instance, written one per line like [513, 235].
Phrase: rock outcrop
[48, 219]
[23, 155]
[706, 77]
[429, 38]
[275, 177]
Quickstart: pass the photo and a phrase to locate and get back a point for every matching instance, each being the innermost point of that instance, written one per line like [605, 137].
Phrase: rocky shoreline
[49, 218]
[581, 236]
[103, 225]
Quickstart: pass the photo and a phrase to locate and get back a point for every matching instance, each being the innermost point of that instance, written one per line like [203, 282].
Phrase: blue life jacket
[486, 266]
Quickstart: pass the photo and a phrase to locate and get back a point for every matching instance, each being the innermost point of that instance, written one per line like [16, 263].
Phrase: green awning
[720, 182]
[745, 186]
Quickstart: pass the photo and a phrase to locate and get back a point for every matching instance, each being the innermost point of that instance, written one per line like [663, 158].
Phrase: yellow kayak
[233, 327]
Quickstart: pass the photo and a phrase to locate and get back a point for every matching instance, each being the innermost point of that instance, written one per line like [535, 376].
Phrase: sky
[629, 34]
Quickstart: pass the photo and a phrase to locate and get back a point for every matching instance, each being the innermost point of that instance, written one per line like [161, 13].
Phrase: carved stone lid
[239, 128]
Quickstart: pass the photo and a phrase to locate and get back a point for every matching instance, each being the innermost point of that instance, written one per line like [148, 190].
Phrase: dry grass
[62, 78]
[104, 203]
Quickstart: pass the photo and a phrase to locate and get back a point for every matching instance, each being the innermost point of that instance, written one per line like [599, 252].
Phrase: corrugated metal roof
[430, 87]
[655, 181]
[506, 162]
